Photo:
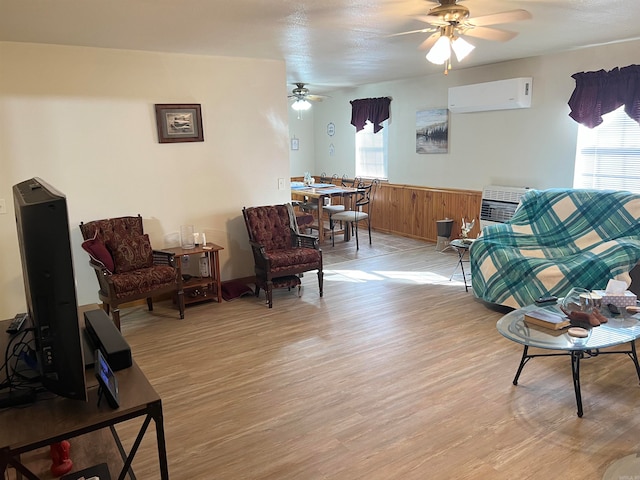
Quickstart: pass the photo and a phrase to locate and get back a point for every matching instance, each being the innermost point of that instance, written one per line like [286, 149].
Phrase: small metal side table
[461, 246]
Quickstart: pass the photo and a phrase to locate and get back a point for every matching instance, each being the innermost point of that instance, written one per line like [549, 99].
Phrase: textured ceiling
[330, 44]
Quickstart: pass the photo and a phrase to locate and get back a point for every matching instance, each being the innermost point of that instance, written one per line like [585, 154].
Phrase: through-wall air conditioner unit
[499, 95]
[499, 204]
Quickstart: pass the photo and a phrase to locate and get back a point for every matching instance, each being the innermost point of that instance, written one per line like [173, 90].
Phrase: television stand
[56, 418]
[14, 398]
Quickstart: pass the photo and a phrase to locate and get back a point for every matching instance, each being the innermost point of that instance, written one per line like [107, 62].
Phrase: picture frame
[179, 122]
[432, 131]
[295, 144]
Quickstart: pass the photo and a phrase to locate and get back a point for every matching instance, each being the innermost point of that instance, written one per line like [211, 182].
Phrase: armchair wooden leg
[320, 281]
[115, 316]
[150, 304]
[269, 292]
[181, 303]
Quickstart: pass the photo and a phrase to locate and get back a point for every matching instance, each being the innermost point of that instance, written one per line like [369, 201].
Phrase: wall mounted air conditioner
[500, 95]
[499, 204]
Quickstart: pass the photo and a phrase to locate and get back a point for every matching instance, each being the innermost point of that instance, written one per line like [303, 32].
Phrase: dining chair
[364, 198]
[339, 207]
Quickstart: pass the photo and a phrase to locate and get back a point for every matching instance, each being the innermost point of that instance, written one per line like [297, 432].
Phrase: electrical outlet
[3, 207]
[281, 184]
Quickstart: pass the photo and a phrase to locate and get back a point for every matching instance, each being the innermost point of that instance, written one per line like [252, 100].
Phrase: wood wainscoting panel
[413, 211]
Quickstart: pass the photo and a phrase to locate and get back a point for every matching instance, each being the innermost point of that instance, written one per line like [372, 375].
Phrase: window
[608, 156]
[371, 152]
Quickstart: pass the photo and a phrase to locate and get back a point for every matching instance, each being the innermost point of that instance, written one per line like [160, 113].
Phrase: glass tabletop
[461, 242]
[619, 329]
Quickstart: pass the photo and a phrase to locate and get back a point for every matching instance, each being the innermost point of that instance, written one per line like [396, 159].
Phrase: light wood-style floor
[397, 373]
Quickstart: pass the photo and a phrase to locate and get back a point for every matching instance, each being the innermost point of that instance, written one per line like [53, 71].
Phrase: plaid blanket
[556, 240]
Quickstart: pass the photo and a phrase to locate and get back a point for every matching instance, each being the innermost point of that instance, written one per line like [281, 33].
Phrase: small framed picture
[295, 144]
[179, 123]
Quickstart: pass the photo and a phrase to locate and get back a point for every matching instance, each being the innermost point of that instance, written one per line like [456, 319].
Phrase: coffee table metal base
[576, 356]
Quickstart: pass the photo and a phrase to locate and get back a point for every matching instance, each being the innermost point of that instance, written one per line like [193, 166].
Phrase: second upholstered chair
[280, 252]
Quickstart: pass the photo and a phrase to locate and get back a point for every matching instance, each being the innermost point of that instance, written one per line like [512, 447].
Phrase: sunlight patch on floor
[412, 277]
[355, 276]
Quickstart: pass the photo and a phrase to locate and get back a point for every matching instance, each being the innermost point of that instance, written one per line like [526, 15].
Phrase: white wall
[530, 147]
[301, 126]
[83, 119]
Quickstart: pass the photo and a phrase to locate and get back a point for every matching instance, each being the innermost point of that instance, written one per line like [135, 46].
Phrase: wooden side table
[201, 288]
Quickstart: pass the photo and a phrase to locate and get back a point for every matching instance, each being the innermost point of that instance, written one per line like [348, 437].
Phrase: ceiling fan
[303, 97]
[449, 21]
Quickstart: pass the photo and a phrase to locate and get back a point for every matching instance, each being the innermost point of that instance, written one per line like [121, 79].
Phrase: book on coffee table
[547, 319]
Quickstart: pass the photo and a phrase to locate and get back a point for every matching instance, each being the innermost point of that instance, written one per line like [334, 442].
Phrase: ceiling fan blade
[428, 43]
[487, 33]
[315, 98]
[422, 30]
[498, 18]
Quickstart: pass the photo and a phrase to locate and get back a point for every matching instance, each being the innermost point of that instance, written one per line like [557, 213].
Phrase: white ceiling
[328, 44]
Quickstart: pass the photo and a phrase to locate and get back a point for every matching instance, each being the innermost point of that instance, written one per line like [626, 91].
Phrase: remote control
[547, 299]
[16, 324]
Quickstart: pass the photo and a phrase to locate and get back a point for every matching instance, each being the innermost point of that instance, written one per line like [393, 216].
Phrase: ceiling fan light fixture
[441, 51]
[461, 48]
[301, 104]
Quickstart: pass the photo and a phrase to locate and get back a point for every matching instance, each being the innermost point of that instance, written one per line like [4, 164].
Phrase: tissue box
[619, 300]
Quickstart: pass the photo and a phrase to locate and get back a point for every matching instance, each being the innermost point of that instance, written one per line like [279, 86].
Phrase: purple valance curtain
[601, 92]
[376, 110]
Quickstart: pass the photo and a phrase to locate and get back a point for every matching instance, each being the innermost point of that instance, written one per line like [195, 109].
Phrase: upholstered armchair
[127, 268]
[279, 250]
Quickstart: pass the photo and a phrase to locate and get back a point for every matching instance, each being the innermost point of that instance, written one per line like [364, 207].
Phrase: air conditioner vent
[499, 204]
[503, 194]
[499, 95]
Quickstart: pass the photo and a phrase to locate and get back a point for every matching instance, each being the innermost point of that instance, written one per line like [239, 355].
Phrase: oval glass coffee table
[618, 330]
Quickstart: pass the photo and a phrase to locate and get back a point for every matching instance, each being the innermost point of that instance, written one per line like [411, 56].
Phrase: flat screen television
[47, 268]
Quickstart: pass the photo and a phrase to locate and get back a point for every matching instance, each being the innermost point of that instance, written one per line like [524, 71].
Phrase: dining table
[320, 191]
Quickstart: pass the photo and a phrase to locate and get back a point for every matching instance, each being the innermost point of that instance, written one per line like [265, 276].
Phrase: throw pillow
[132, 253]
[99, 253]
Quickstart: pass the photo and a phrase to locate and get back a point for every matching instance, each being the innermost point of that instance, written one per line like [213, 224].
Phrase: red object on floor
[60, 455]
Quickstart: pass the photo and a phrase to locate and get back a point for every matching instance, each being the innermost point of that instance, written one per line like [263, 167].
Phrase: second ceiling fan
[303, 97]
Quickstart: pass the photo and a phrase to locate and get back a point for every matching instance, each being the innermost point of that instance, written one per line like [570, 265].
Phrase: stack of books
[547, 319]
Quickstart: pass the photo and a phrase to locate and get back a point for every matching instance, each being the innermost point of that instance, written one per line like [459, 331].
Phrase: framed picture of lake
[179, 123]
[432, 131]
